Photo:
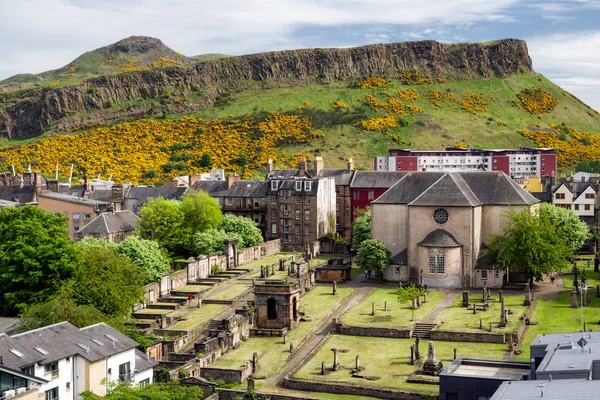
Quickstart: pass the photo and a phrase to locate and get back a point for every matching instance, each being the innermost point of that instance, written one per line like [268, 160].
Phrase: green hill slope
[131, 54]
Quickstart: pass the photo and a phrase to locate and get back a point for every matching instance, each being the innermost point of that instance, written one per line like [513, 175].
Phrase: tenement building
[436, 224]
[301, 208]
[519, 163]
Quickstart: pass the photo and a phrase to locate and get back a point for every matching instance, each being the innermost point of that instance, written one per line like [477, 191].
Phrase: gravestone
[262, 272]
[322, 367]
[254, 362]
[250, 385]
[357, 365]
[480, 323]
[502, 314]
[500, 295]
[272, 269]
[574, 303]
[414, 304]
[432, 366]
[474, 308]
[336, 363]
[385, 306]
[465, 301]
[412, 354]
[281, 264]
[425, 297]
[334, 292]
[454, 354]
[285, 339]
[527, 293]
[291, 347]
[417, 353]
[373, 309]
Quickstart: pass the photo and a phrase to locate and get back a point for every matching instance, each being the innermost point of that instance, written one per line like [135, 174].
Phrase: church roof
[439, 238]
[449, 190]
[471, 188]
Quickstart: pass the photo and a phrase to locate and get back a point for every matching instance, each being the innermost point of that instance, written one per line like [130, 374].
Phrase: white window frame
[274, 185]
[76, 216]
[437, 261]
[298, 186]
[308, 186]
[273, 228]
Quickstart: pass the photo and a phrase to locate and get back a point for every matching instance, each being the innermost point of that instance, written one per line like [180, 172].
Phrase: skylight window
[99, 343]
[17, 353]
[84, 347]
[41, 350]
[111, 337]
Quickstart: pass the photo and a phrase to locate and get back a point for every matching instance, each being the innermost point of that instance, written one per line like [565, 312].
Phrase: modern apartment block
[61, 361]
[519, 163]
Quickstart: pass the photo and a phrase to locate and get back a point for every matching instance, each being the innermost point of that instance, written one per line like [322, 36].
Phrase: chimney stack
[52, 185]
[318, 165]
[86, 186]
[269, 166]
[231, 179]
[302, 166]
[192, 179]
[350, 164]
[38, 181]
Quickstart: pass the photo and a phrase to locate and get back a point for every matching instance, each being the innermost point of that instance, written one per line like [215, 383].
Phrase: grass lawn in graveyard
[192, 289]
[397, 316]
[274, 259]
[272, 353]
[555, 315]
[194, 316]
[228, 293]
[458, 318]
[387, 359]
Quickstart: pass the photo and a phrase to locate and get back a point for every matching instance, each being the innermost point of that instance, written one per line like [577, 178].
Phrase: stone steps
[423, 330]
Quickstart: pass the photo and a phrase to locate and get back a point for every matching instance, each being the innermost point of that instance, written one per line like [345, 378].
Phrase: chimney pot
[231, 179]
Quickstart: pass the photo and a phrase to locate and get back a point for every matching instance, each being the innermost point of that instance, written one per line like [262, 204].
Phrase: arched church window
[437, 261]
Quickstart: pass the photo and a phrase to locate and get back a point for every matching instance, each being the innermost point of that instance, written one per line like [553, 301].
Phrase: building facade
[301, 209]
[519, 163]
[437, 224]
[61, 361]
[367, 186]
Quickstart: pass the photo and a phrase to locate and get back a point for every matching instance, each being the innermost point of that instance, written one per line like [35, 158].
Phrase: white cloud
[571, 60]
[37, 35]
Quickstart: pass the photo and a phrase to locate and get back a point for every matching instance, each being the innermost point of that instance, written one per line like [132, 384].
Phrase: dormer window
[274, 185]
[308, 186]
[298, 186]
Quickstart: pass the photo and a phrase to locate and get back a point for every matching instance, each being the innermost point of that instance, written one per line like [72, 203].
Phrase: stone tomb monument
[431, 366]
[276, 303]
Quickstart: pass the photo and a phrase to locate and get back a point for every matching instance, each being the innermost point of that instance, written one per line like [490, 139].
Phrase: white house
[62, 361]
[579, 197]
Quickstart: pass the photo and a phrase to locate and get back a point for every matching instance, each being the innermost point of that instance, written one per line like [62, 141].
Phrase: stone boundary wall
[232, 394]
[340, 388]
[232, 375]
[397, 333]
[199, 268]
[485, 336]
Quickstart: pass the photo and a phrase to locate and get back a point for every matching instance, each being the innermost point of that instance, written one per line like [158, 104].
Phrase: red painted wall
[547, 165]
[363, 201]
[502, 163]
[406, 163]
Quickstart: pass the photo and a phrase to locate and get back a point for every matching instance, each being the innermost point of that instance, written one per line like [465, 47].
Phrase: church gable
[450, 190]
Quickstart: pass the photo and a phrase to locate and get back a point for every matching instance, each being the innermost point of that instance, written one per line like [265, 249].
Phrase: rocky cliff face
[31, 112]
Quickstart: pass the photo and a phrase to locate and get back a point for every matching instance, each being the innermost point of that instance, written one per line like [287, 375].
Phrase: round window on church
[440, 216]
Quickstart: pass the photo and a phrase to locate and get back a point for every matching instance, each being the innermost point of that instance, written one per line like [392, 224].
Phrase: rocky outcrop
[31, 112]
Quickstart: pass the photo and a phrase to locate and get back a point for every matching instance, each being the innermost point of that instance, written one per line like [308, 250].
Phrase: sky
[563, 36]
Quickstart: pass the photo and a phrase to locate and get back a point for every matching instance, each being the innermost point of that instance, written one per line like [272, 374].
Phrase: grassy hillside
[337, 121]
[131, 54]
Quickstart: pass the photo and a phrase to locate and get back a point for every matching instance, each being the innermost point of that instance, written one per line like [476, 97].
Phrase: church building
[437, 225]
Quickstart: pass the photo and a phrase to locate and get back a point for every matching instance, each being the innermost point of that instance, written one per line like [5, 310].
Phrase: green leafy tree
[210, 241]
[90, 243]
[163, 220]
[530, 244]
[107, 282]
[567, 225]
[201, 212]
[171, 390]
[361, 228]
[146, 254]
[373, 255]
[206, 160]
[408, 293]
[36, 255]
[243, 229]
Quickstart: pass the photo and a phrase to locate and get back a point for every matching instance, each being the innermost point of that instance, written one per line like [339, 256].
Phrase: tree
[90, 243]
[201, 212]
[531, 244]
[171, 390]
[206, 160]
[107, 282]
[361, 228]
[373, 255]
[409, 294]
[146, 254]
[243, 229]
[36, 255]
[567, 225]
[163, 220]
[210, 241]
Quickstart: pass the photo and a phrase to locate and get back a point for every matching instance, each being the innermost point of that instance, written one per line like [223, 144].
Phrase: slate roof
[143, 193]
[343, 177]
[400, 258]
[108, 222]
[290, 184]
[449, 190]
[439, 238]
[61, 340]
[101, 194]
[376, 179]
[25, 194]
[457, 189]
[577, 188]
[143, 362]
[73, 199]
[254, 189]
[292, 172]
[9, 324]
